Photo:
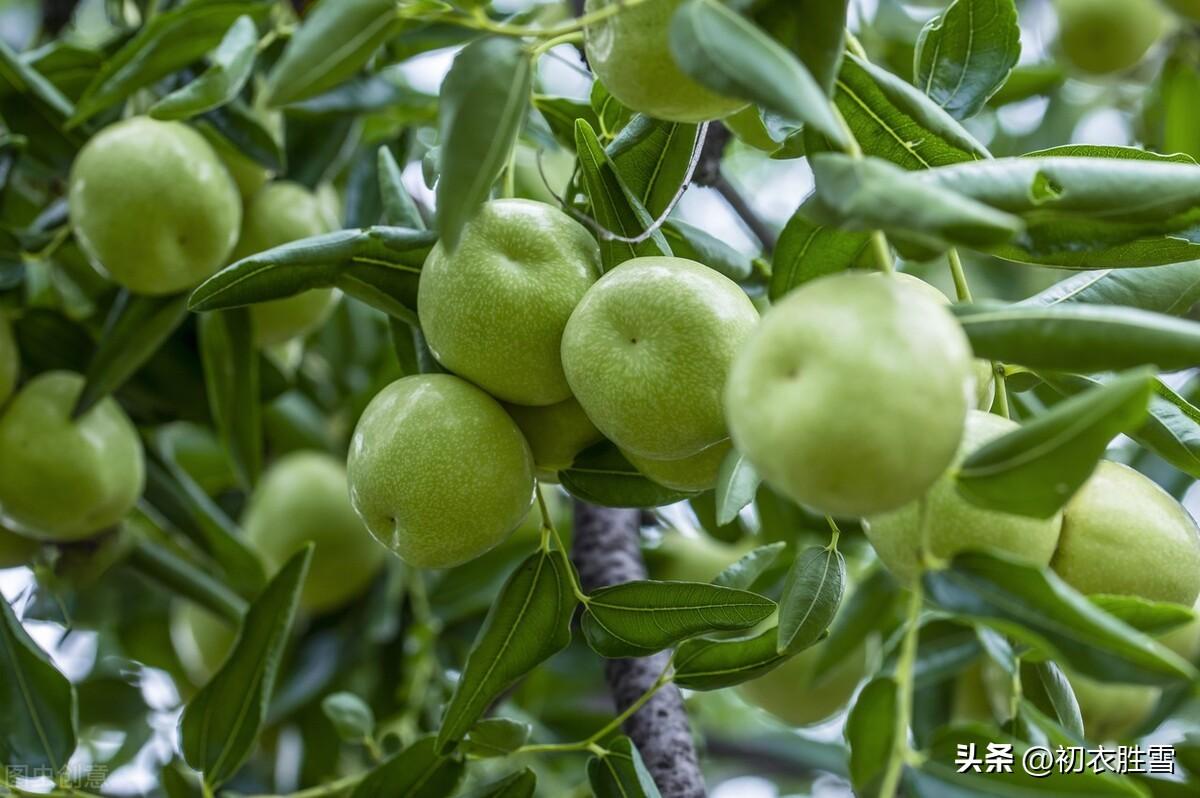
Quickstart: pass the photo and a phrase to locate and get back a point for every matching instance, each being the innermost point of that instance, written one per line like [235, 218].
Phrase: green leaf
[351, 716]
[37, 703]
[377, 265]
[231, 375]
[654, 163]
[615, 208]
[1171, 289]
[168, 42]
[245, 132]
[724, 51]
[1151, 617]
[806, 251]
[136, 327]
[493, 737]
[748, 568]
[561, 113]
[601, 475]
[815, 30]
[398, 206]
[737, 482]
[529, 622]
[335, 40]
[640, 618]
[230, 66]
[418, 771]
[704, 663]
[1036, 607]
[872, 194]
[869, 607]
[1062, 697]
[1079, 337]
[221, 723]
[620, 773]
[966, 53]
[812, 593]
[1036, 469]
[34, 106]
[688, 241]
[871, 733]
[483, 103]
[518, 785]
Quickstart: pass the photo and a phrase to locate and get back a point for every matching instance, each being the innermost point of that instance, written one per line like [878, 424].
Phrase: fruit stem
[904, 677]
[836, 533]
[551, 43]
[548, 529]
[1001, 405]
[480, 21]
[960, 278]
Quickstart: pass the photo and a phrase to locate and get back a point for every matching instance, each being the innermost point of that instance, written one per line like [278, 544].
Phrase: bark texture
[606, 553]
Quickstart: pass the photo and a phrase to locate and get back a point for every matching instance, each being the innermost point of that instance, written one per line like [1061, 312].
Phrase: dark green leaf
[707, 664]
[1036, 607]
[1152, 617]
[655, 165]
[601, 475]
[620, 773]
[871, 733]
[247, 134]
[729, 54]
[231, 375]
[229, 69]
[335, 40]
[868, 609]
[640, 618]
[529, 622]
[492, 737]
[746, 571]
[688, 241]
[1171, 289]
[135, 329]
[1062, 697]
[221, 723]
[350, 715]
[483, 103]
[812, 593]
[806, 251]
[1036, 469]
[398, 206]
[965, 54]
[737, 482]
[416, 772]
[519, 785]
[561, 114]
[814, 30]
[37, 703]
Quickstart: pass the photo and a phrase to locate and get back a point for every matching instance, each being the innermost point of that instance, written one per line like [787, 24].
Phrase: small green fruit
[10, 361]
[790, 693]
[1103, 36]
[282, 212]
[153, 206]
[16, 550]
[305, 498]
[1124, 534]
[555, 434]
[692, 474]
[64, 479]
[630, 54]
[647, 352]
[852, 395]
[493, 311]
[692, 558]
[201, 639]
[954, 525]
[438, 471]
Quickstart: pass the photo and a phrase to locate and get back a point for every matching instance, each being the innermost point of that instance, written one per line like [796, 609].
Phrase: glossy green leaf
[601, 475]
[812, 593]
[398, 206]
[640, 618]
[1035, 469]
[743, 573]
[705, 663]
[334, 41]
[689, 241]
[655, 164]
[221, 723]
[1034, 606]
[806, 251]
[815, 30]
[561, 114]
[34, 106]
[1152, 617]
[483, 103]
[492, 737]
[871, 733]
[615, 208]
[168, 42]
[37, 703]
[729, 54]
[240, 127]
[231, 376]
[351, 716]
[620, 773]
[867, 609]
[529, 622]
[1079, 337]
[378, 265]
[1171, 289]
[136, 327]
[966, 53]
[737, 482]
[517, 785]
[1062, 697]
[230, 66]
[418, 771]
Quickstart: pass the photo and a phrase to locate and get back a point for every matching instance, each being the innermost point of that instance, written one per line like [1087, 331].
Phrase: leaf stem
[1001, 379]
[960, 278]
[548, 528]
[904, 677]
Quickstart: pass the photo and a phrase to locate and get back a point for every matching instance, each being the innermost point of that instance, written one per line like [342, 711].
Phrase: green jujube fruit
[790, 693]
[279, 213]
[692, 474]
[630, 54]
[1123, 534]
[555, 434]
[201, 639]
[1103, 36]
[438, 471]
[153, 206]
[65, 479]
[647, 352]
[494, 309]
[852, 395]
[955, 525]
[303, 498]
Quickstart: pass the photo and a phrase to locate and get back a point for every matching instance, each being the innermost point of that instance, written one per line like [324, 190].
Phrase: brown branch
[606, 552]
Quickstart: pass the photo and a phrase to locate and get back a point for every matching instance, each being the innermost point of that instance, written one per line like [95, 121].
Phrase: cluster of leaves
[891, 157]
